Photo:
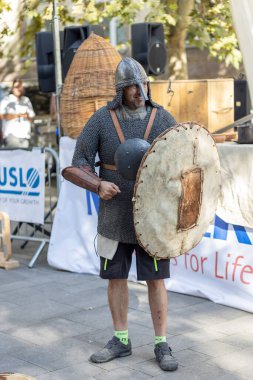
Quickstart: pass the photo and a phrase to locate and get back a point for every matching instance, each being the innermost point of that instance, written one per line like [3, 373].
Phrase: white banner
[219, 268]
[75, 223]
[22, 185]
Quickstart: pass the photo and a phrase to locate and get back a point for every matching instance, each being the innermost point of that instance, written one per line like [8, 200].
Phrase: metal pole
[58, 69]
[113, 31]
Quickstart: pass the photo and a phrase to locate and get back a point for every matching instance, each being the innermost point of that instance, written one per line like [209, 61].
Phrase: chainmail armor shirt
[125, 113]
[115, 217]
[107, 247]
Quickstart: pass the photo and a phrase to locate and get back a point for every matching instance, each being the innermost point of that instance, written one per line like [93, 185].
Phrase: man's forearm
[82, 177]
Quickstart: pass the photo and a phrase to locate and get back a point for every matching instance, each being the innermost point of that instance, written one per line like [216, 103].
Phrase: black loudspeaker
[70, 40]
[148, 47]
[241, 99]
[73, 37]
[45, 61]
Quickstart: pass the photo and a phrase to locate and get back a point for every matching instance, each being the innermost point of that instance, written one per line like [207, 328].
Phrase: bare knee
[117, 284]
[155, 285]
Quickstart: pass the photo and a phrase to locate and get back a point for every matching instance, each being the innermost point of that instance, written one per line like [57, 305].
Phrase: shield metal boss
[128, 157]
[176, 191]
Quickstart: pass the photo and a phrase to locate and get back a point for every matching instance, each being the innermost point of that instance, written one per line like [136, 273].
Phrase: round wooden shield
[176, 191]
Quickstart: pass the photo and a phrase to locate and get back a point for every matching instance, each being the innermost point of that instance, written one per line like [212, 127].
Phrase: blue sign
[95, 198]
[221, 231]
[18, 181]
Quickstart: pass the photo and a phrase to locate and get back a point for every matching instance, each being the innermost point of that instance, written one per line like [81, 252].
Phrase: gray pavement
[51, 321]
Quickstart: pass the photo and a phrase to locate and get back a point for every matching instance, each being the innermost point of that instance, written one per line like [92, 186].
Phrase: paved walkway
[51, 321]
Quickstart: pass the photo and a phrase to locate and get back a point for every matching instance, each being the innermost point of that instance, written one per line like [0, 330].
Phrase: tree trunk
[177, 59]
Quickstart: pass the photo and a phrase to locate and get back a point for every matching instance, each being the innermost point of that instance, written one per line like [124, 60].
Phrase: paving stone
[244, 324]
[100, 317]
[85, 299]
[8, 284]
[53, 289]
[214, 348]
[51, 331]
[140, 355]
[14, 365]
[7, 312]
[218, 314]
[245, 372]
[25, 296]
[239, 340]
[177, 301]
[58, 356]
[72, 349]
[124, 373]
[51, 321]
[76, 372]
[9, 344]
[36, 312]
[140, 317]
[138, 297]
[178, 324]
[40, 356]
[203, 371]
[191, 339]
[87, 284]
[235, 376]
[235, 361]
[188, 357]
[149, 367]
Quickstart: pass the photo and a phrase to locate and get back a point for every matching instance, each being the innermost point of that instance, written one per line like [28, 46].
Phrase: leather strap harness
[122, 137]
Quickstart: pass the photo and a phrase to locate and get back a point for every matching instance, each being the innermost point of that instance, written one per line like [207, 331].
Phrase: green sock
[159, 339]
[122, 336]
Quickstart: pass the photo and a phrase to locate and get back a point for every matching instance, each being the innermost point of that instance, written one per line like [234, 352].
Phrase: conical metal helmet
[130, 72]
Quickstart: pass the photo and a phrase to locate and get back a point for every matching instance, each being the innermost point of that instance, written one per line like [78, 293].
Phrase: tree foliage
[212, 28]
[206, 24]
[5, 31]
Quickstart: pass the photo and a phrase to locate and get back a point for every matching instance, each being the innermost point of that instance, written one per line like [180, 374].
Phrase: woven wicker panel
[77, 113]
[89, 83]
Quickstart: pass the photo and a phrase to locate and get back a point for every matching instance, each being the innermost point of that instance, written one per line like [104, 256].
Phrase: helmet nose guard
[130, 72]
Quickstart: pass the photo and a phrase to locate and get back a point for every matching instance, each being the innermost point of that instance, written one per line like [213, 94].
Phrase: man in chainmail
[132, 106]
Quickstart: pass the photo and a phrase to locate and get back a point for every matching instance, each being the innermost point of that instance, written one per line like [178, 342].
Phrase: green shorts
[148, 268]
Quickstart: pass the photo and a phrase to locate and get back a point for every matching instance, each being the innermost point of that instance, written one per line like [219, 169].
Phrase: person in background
[132, 108]
[17, 115]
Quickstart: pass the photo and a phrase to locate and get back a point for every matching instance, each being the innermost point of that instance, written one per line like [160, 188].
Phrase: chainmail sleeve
[87, 144]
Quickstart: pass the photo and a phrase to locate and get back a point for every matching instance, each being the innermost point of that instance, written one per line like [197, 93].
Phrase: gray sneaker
[113, 349]
[166, 360]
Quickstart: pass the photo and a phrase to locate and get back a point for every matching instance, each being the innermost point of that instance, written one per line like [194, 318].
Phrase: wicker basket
[89, 83]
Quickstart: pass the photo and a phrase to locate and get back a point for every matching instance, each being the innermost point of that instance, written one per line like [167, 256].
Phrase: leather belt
[106, 166]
